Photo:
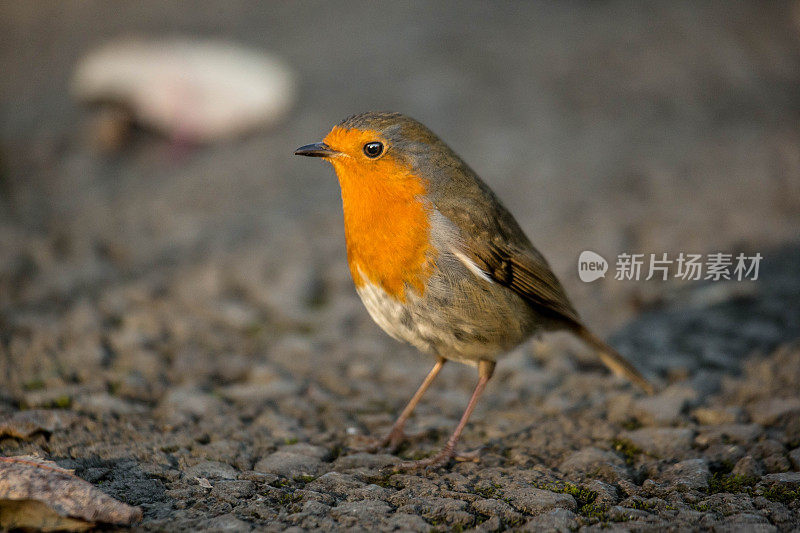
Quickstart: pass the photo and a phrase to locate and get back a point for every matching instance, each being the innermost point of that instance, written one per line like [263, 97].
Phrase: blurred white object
[191, 90]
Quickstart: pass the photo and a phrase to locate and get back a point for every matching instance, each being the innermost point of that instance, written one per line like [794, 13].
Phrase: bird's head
[377, 147]
[383, 162]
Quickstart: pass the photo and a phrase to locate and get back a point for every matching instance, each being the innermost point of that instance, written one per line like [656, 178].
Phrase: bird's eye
[373, 149]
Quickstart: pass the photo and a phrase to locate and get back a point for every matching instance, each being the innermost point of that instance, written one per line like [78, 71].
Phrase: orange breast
[387, 226]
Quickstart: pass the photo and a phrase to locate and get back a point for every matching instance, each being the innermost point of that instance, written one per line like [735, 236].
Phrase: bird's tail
[613, 360]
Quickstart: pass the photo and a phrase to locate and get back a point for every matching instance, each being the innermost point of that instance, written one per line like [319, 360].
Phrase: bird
[439, 262]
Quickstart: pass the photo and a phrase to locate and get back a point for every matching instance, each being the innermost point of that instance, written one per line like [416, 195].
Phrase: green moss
[34, 384]
[515, 522]
[336, 451]
[417, 455]
[114, 387]
[641, 505]
[290, 440]
[62, 402]
[701, 507]
[253, 329]
[732, 483]
[290, 500]
[305, 479]
[582, 496]
[488, 492]
[594, 511]
[780, 494]
[631, 424]
[628, 449]
[585, 499]
[383, 480]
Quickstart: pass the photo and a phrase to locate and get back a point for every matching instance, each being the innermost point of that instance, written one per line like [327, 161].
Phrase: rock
[748, 467]
[595, 462]
[227, 522]
[23, 424]
[366, 514]
[234, 490]
[777, 462]
[769, 412]
[561, 520]
[619, 407]
[537, 501]
[303, 448]
[370, 492]
[628, 488]
[103, 404]
[307, 495]
[260, 392]
[340, 485]
[767, 447]
[211, 470]
[448, 510]
[618, 513]
[406, 522]
[691, 474]
[493, 507]
[40, 495]
[182, 404]
[364, 460]
[316, 508]
[60, 397]
[750, 522]
[279, 426]
[738, 433]
[724, 453]
[794, 457]
[289, 464]
[194, 90]
[661, 442]
[494, 523]
[715, 416]
[789, 480]
[773, 455]
[607, 494]
[664, 408]
[728, 504]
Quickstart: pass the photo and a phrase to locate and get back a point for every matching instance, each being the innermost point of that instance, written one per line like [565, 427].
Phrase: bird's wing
[495, 243]
[527, 274]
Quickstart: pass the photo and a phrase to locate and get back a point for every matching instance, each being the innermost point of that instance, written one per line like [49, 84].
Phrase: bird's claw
[390, 443]
[437, 461]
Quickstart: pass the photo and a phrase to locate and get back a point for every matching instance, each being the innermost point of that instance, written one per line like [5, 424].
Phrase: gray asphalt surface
[188, 315]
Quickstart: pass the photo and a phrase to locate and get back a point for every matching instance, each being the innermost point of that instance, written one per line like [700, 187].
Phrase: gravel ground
[180, 326]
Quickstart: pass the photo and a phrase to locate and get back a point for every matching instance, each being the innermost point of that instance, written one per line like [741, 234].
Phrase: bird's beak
[315, 150]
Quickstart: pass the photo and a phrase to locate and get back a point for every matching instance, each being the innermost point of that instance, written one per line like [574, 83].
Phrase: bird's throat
[387, 227]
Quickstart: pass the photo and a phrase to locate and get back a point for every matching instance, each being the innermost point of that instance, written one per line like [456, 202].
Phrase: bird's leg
[396, 435]
[485, 371]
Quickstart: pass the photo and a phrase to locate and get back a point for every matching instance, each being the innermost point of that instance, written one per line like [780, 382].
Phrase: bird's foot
[437, 461]
[390, 443]
[473, 456]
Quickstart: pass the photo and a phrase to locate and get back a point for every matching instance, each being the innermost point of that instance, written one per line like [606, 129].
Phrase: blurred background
[168, 282]
[611, 127]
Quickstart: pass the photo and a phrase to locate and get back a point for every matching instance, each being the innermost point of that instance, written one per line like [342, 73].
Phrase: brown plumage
[438, 260]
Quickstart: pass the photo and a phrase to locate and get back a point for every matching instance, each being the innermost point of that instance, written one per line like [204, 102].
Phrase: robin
[437, 259]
